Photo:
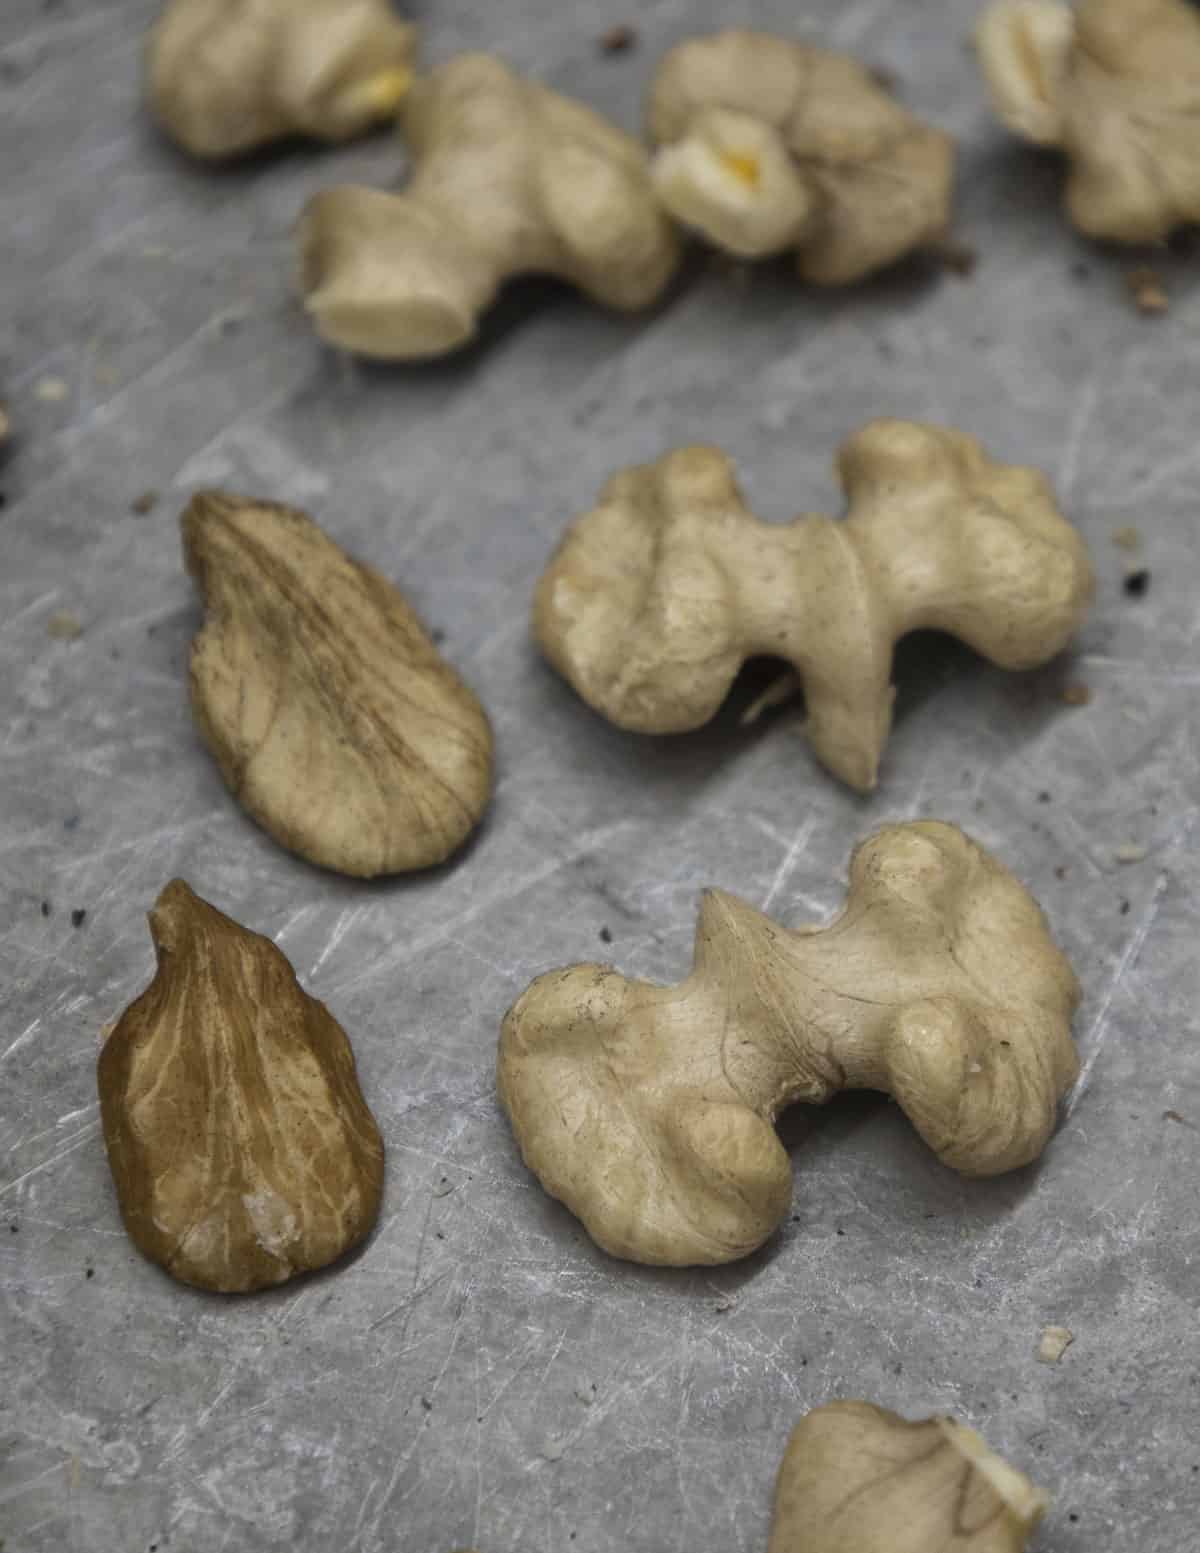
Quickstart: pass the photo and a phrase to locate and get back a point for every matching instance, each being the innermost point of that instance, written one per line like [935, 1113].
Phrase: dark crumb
[1147, 290]
[14, 1229]
[71, 822]
[3, 499]
[427, 1404]
[90, 1272]
[882, 76]
[144, 503]
[1072, 1516]
[437, 636]
[46, 908]
[230, 325]
[1075, 695]
[840, 1230]
[1137, 583]
[1080, 271]
[1043, 797]
[79, 916]
[795, 1218]
[957, 257]
[1124, 908]
[438, 1235]
[1174, 1116]
[605, 936]
[619, 39]
[1061, 871]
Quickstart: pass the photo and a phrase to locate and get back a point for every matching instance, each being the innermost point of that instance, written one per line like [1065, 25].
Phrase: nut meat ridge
[240, 1145]
[656, 597]
[329, 711]
[648, 1110]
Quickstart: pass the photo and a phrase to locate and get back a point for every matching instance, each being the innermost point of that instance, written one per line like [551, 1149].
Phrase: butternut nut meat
[656, 597]
[508, 178]
[241, 1147]
[648, 1110]
[227, 76]
[766, 145]
[327, 707]
[857, 1478]
[1116, 85]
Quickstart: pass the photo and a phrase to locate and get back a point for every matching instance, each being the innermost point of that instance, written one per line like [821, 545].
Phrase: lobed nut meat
[648, 1110]
[241, 1147]
[1116, 85]
[656, 597]
[767, 145]
[226, 76]
[329, 711]
[509, 178]
[857, 1478]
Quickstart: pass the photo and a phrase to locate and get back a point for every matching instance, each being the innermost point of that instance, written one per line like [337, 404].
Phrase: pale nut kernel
[857, 1478]
[333, 718]
[656, 597]
[766, 146]
[227, 76]
[508, 178]
[648, 1110]
[241, 1148]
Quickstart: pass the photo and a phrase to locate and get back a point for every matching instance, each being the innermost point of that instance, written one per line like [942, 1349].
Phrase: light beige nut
[656, 597]
[241, 1147]
[857, 1478]
[332, 716]
[648, 1110]
[508, 178]
[1116, 85]
[227, 76]
[766, 145]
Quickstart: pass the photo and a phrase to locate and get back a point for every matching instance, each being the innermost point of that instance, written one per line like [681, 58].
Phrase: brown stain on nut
[332, 716]
[242, 1150]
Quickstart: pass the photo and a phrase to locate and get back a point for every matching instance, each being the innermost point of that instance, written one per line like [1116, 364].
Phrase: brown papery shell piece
[240, 1144]
[329, 710]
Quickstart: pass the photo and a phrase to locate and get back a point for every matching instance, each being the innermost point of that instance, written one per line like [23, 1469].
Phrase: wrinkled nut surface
[648, 1110]
[857, 1478]
[332, 716]
[226, 76]
[657, 596]
[508, 178]
[767, 145]
[1116, 85]
[241, 1147]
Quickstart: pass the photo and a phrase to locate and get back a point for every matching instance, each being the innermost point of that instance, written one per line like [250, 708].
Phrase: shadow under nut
[331, 714]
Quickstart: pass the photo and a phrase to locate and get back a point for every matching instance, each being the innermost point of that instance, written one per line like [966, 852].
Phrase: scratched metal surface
[480, 1375]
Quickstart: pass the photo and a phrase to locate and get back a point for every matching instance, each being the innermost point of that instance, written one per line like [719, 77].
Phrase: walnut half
[240, 1144]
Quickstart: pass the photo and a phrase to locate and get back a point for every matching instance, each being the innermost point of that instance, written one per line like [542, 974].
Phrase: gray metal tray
[481, 1375]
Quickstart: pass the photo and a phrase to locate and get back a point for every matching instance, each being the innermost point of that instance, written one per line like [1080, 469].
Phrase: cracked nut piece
[1116, 85]
[240, 1144]
[332, 716]
[857, 1478]
[656, 597]
[648, 1110]
[509, 178]
[766, 145]
[226, 76]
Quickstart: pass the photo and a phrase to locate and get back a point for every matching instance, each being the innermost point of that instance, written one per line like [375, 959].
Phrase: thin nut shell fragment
[330, 712]
[857, 1478]
[240, 1144]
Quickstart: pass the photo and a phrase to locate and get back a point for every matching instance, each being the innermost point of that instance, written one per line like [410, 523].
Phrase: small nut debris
[767, 146]
[63, 626]
[1055, 1342]
[857, 1478]
[656, 597]
[144, 503]
[648, 1110]
[508, 178]
[618, 40]
[226, 76]
[1130, 852]
[1147, 290]
[1127, 538]
[5, 424]
[1075, 695]
[330, 712]
[241, 1147]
